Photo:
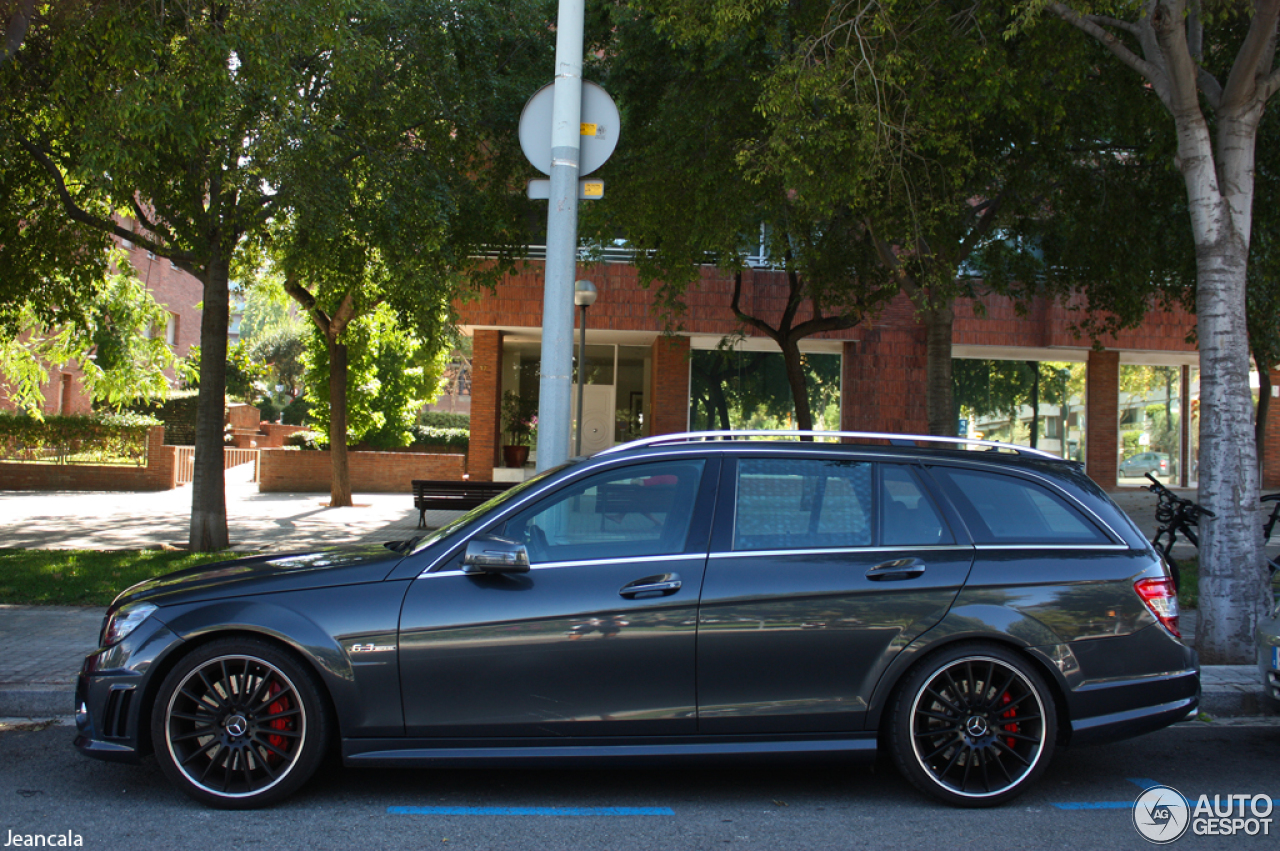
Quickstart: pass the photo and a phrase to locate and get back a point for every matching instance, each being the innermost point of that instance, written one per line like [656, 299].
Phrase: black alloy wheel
[973, 725]
[239, 724]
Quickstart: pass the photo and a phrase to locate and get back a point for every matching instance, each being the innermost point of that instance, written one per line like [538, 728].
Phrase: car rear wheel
[974, 725]
[239, 723]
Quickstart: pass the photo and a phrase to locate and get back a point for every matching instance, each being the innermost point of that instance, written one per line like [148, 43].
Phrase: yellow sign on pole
[588, 130]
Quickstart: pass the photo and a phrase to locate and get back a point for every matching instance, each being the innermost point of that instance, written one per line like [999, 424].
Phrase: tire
[973, 724]
[239, 723]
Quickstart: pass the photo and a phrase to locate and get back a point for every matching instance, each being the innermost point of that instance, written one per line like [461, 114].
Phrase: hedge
[102, 437]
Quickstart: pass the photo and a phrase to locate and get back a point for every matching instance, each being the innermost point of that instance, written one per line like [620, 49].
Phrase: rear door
[821, 570]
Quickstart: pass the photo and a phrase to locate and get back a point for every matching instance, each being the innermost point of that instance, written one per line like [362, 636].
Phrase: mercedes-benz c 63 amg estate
[966, 606]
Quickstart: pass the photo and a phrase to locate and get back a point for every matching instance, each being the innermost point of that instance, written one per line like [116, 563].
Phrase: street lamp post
[584, 295]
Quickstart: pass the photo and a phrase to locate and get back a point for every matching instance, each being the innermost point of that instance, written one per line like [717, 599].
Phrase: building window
[171, 330]
[126, 244]
[151, 255]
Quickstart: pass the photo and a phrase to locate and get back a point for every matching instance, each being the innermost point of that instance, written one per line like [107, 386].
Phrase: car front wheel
[973, 725]
[239, 723]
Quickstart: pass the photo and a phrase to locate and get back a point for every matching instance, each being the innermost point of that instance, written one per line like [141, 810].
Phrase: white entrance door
[597, 424]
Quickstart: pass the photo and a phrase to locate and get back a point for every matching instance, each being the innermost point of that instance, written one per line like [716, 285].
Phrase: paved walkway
[259, 522]
[37, 675]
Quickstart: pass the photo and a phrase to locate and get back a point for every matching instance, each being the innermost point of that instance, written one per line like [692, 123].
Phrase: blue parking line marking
[531, 811]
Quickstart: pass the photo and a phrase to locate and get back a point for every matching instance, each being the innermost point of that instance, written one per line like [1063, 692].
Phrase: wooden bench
[452, 496]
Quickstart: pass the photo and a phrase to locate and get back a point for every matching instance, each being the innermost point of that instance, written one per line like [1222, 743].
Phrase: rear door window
[797, 503]
[1002, 509]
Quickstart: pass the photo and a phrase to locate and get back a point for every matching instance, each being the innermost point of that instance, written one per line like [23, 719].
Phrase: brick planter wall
[291, 470]
[160, 473]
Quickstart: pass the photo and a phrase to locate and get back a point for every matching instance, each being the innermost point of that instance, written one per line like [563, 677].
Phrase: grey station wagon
[967, 606]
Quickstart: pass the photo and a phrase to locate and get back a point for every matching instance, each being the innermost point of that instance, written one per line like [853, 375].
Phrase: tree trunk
[795, 380]
[340, 484]
[1233, 588]
[939, 384]
[1035, 404]
[208, 487]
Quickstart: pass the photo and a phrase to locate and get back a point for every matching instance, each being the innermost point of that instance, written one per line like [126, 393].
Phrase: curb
[37, 701]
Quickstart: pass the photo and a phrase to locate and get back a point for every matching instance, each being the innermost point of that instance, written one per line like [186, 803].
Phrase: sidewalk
[37, 677]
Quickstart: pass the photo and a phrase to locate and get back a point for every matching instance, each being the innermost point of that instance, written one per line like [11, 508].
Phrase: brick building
[882, 361]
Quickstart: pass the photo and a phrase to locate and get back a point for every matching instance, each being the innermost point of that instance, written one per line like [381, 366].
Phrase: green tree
[689, 107]
[391, 375]
[177, 113]
[392, 209]
[213, 122]
[1213, 68]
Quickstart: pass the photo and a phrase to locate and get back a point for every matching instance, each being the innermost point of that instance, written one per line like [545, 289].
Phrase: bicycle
[1178, 515]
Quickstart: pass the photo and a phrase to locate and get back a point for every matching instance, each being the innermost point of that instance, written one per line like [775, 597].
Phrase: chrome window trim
[936, 548]
[554, 565]
[1038, 546]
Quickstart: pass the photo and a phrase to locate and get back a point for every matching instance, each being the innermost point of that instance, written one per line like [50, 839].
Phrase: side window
[641, 510]
[802, 503]
[907, 515]
[1008, 510]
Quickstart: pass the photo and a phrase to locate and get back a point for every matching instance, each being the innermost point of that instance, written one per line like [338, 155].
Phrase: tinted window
[907, 516]
[641, 510]
[802, 503]
[1005, 509]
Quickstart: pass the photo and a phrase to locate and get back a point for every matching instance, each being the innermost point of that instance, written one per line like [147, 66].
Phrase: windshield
[501, 499]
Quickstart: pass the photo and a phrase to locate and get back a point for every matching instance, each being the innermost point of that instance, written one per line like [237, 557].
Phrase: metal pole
[562, 241]
[582, 367]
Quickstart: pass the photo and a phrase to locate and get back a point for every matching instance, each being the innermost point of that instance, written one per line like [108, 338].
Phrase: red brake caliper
[1010, 713]
[278, 742]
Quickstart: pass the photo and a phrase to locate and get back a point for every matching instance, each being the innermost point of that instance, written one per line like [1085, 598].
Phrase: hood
[267, 574]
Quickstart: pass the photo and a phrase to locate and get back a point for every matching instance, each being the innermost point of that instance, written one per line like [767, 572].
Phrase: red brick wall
[1102, 418]
[1271, 455]
[486, 399]
[884, 382]
[669, 386]
[291, 470]
[624, 305]
[160, 473]
[275, 433]
[1046, 324]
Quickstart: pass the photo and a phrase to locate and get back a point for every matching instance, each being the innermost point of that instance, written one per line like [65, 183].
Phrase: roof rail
[692, 436]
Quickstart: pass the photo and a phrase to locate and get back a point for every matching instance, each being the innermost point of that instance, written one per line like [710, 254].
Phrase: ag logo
[1161, 814]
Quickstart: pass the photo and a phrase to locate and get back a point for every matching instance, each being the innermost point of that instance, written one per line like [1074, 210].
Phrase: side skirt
[407, 753]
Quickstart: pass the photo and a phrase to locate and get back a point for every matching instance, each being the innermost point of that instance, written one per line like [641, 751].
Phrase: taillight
[1162, 600]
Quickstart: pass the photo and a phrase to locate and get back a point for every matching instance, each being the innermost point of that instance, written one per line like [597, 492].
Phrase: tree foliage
[391, 375]
[112, 341]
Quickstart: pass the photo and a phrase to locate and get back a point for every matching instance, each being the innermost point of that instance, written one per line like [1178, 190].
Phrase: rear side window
[802, 503]
[1003, 509]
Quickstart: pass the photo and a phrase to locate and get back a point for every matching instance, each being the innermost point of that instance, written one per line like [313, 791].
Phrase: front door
[596, 639]
[821, 570]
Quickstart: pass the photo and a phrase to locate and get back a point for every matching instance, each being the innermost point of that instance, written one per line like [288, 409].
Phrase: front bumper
[111, 692]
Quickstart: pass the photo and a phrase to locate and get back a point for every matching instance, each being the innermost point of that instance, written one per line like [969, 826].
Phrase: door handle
[663, 583]
[898, 569]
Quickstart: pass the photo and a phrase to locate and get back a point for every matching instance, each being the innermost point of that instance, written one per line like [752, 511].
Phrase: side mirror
[495, 555]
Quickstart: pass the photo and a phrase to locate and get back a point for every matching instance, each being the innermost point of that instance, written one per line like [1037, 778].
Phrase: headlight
[123, 621]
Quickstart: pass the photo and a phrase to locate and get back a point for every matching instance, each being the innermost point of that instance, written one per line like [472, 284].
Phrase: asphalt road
[47, 788]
